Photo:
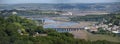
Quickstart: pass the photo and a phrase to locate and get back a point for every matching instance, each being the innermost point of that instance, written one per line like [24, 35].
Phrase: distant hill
[109, 7]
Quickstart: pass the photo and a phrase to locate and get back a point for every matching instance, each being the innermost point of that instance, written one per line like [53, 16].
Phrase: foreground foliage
[9, 33]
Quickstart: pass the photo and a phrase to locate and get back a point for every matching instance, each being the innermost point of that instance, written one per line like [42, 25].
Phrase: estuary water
[49, 23]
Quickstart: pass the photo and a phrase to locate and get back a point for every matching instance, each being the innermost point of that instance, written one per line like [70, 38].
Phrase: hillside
[107, 7]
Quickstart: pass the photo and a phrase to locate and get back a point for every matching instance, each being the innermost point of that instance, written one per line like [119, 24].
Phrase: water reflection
[49, 23]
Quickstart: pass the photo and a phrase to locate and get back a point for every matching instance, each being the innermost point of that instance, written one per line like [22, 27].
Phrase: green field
[94, 37]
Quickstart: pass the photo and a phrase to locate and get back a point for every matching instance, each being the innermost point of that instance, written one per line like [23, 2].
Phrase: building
[38, 34]
[66, 13]
[14, 13]
[116, 29]
[92, 29]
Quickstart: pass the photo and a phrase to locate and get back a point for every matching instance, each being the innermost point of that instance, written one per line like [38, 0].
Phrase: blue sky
[55, 1]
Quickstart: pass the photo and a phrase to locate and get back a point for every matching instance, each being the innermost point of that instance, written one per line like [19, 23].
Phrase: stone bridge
[67, 29]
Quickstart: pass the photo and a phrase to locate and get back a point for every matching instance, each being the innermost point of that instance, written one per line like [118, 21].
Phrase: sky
[55, 1]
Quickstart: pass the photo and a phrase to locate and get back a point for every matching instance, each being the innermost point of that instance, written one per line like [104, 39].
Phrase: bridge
[67, 29]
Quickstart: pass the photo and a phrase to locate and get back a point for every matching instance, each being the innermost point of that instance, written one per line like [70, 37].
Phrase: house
[116, 30]
[20, 32]
[38, 34]
[92, 29]
[14, 13]
[86, 28]
[66, 13]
